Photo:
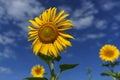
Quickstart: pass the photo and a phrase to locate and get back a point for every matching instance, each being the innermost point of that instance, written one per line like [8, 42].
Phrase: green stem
[111, 67]
[52, 70]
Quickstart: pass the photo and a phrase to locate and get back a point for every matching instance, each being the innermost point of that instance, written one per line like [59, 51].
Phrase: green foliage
[89, 70]
[47, 58]
[33, 78]
[108, 73]
[112, 64]
[58, 58]
[65, 67]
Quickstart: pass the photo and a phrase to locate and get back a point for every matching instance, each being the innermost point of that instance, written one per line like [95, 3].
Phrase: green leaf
[65, 67]
[45, 58]
[118, 75]
[105, 65]
[108, 73]
[33, 78]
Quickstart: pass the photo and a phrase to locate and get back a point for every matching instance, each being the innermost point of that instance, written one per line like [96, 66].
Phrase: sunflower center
[48, 33]
[38, 71]
[109, 54]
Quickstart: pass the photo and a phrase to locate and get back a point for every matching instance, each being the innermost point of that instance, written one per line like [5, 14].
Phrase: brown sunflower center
[109, 53]
[38, 71]
[48, 33]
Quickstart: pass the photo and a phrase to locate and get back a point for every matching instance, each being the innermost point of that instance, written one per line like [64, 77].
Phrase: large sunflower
[48, 34]
[38, 71]
[109, 53]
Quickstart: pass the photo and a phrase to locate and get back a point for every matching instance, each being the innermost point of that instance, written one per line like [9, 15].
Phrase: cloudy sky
[97, 22]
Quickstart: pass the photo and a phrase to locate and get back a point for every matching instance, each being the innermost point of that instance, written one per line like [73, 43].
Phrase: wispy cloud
[117, 17]
[65, 8]
[19, 11]
[83, 17]
[5, 70]
[101, 24]
[115, 26]
[109, 5]
[90, 36]
[7, 53]
[5, 40]
[84, 22]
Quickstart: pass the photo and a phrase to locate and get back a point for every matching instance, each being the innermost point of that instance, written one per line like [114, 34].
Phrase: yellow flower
[48, 34]
[109, 53]
[38, 71]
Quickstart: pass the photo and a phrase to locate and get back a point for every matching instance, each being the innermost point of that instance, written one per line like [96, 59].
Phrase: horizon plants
[49, 39]
[110, 54]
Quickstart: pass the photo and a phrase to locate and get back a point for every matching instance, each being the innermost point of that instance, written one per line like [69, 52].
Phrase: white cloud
[65, 8]
[95, 36]
[109, 5]
[90, 36]
[82, 23]
[100, 24]
[5, 70]
[83, 17]
[19, 12]
[115, 26]
[117, 17]
[7, 53]
[5, 40]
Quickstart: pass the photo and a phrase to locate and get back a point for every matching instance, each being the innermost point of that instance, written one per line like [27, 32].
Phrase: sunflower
[38, 71]
[109, 53]
[48, 32]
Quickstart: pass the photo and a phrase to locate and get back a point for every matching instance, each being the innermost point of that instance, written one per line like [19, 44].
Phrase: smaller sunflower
[109, 53]
[38, 71]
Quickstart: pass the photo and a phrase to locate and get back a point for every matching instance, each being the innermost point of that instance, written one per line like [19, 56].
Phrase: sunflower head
[109, 53]
[48, 34]
[38, 71]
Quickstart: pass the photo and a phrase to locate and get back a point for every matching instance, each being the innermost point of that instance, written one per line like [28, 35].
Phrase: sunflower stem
[51, 66]
[111, 67]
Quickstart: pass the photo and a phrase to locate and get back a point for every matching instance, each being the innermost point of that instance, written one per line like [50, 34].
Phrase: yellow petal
[66, 35]
[32, 28]
[31, 32]
[34, 23]
[64, 22]
[61, 42]
[37, 46]
[44, 49]
[44, 16]
[53, 14]
[34, 41]
[49, 14]
[52, 50]
[59, 15]
[68, 43]
[39, 21]
[31, 37]
[62, 17]
[63, 29]
[58, 45]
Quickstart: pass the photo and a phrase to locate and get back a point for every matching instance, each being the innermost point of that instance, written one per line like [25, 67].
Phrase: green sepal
[45, 58]
[116, 63]
[64, 67]
[105, 65]
[58, 58]
[35, 78]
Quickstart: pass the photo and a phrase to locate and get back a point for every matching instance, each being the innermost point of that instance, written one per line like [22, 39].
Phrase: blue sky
[97, 22]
